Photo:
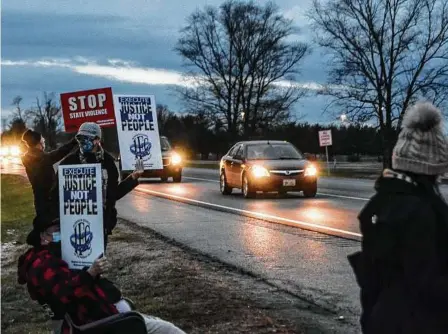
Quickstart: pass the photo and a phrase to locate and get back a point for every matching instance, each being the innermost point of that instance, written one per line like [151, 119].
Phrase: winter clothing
[113, 190]
[422, 147]
[90, 129]
[50, 282]
[41, 174]
[85, 299]
[402, 270]
[31, 137]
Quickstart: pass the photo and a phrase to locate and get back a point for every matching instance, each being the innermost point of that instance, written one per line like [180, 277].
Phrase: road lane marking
[253, 214]
[319, 193]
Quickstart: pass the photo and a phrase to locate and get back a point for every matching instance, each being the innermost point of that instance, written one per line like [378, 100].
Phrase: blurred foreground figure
[403, 267]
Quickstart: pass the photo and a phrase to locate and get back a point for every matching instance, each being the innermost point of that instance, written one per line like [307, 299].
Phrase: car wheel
[225, 189]
[164, 179]
[177, 178]
[247, 189]
[311, 192]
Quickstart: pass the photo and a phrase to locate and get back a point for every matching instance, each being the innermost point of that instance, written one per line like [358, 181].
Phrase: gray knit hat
[422, 147]
[90, 129]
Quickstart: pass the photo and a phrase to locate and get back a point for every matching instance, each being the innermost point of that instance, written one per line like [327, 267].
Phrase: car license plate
[289, 183]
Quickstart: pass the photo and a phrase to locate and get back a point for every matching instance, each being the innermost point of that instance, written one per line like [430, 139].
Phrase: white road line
[260, 215]
[319, 193]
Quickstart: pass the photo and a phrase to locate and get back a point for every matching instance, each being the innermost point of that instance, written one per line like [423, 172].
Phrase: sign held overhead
[138, 131]
[94, 105]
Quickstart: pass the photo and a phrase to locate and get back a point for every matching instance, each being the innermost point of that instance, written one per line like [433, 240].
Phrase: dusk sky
[63, 46]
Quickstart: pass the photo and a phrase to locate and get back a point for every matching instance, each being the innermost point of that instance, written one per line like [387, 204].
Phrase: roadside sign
[138, 131]
[94, 105]
[325, 138]
[81, 214]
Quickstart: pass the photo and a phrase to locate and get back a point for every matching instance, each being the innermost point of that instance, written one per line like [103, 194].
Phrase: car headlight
[310, 171]
[4, 151]
[15, 151]
[259, 171]
[176, 159]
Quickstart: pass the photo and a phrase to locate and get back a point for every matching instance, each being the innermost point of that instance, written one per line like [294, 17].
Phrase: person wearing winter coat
[402, 269]
[84, 295]
[91, 151]
[39, 169]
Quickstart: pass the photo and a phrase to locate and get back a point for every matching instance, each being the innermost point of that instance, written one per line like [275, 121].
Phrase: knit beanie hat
[422, 147]
[31, 138]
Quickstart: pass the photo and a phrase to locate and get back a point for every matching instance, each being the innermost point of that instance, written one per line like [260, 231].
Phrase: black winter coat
[403, 267]
[115, 190]
[41, 174]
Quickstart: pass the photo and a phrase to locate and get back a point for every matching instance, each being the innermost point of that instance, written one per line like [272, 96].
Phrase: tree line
[195, 134]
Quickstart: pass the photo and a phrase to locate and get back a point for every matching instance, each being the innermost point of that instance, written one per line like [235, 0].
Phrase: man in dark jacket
[403, 267]
[82, 294]
[39, 169]
[90, 151]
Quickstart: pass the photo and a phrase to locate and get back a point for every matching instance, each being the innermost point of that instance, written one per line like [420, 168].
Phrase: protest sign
[81, 214]
[138, 131]
[94, 105]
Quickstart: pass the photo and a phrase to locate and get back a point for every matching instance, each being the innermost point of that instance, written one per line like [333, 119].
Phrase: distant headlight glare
[176, 159]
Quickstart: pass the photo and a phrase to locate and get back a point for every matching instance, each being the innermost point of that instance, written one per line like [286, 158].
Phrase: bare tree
[46, 116]
[237, 55]
[19, 113]
[386, 54]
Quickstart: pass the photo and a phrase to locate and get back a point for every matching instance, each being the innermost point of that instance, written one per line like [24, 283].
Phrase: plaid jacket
[60, 290]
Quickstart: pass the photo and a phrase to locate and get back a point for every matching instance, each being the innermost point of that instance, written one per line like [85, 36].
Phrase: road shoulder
[194, 291]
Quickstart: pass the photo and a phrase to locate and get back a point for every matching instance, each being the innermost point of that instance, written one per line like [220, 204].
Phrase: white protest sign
[81, 214]
[138, 131]
[325, 138]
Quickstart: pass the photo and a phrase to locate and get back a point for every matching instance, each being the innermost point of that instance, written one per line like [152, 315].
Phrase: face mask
[86, 145]
[56, 236]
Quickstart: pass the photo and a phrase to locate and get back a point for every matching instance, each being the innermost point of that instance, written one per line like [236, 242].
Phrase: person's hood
[25, 261]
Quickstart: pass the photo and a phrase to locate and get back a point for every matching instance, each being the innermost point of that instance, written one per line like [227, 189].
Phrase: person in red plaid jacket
[82, 294]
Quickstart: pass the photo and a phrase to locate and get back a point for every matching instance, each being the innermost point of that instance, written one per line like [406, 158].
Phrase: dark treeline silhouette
[194, 134]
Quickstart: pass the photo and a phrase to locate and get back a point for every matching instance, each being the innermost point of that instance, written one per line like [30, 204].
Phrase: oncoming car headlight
[311, 171]
[259, 171]
[14, 151]
[176, 159]
[4, 151]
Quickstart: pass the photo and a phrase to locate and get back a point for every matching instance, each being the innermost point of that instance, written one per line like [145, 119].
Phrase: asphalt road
[334, 210]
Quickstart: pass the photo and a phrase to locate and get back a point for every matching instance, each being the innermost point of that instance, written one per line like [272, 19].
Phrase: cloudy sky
[68, 45]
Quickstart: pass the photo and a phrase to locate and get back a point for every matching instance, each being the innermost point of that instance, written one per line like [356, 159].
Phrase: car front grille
[292, 172]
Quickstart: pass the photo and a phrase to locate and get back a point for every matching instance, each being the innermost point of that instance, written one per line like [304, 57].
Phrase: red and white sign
[94, 105]
[325, 138]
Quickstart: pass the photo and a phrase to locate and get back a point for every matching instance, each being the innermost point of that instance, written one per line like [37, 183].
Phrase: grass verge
[17, 208]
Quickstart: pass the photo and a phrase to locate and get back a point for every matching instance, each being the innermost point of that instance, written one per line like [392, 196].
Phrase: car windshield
[273, 152]
[165, 144]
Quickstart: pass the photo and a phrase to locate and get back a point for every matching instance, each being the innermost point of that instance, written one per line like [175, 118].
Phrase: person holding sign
[84, 295]
[90, 151]
[39, 169]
